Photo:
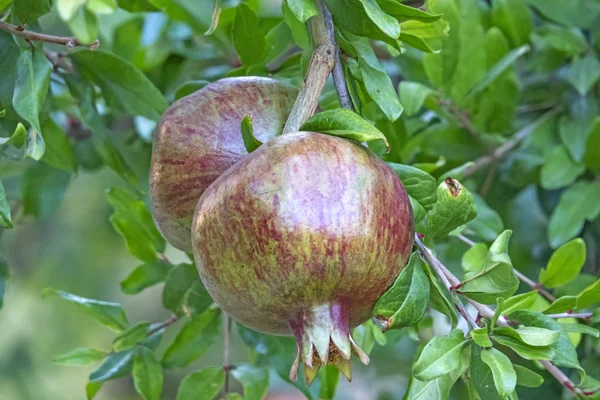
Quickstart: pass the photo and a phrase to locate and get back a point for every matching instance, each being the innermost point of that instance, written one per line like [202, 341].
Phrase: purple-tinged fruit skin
[305, 221]
[199, 137]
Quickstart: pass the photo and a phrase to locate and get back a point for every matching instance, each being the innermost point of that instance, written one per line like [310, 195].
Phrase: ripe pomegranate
[301, 238]
[199, 137]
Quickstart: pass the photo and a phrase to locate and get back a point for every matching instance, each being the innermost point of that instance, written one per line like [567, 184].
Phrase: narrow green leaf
[17, 139]
[524, 301]
[302, 9]
[144, 276]
[524, 350]
[111, 315]
[184, 293]
[190, 87]
[132, 220]
[124, 86]
[214, 21]
[533, 336]
[440, 356]
[481, 337]
[526, 377]
[147, 374]
[194, 339]
[440, 297]
[251, 143]
[130, 337]
[455, 206]
[248, 37]
[515, 20]
[589, 296]
[254, 380]
[31, 87]
[117, 365]
[91, 389]
[59, 153]
[209, 381]
[419, 211]
[386, 23]
[580, 328]
[474, 258]
[425, 36]
[591, 158]
[5, 219]
[584, 73]
[4, 276]
[344, 123]
[80, 356]
[559, 169]
[482, 376]
[418, 184]
[402, 12]
[404, 304]
[505, 378]
[329, 377]
[564, 265]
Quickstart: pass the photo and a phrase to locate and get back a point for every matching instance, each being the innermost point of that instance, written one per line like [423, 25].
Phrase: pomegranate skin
[306, 220]
[199, 137]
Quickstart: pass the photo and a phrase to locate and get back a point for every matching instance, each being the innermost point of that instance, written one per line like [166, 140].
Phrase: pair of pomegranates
[300, 237]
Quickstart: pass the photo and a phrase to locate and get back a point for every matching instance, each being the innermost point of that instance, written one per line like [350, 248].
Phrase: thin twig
[319, 68]
[226, 366]
[339, 81]
[503, 150]
[535, 286]
[466, 240]
[536, 106]
[489, 180]
[570, 315]
[162, 325]
[274, 65]
[487, 312]
[69, 41]
[58, 60]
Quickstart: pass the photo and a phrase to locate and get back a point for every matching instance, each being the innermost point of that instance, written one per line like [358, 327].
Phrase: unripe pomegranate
[199, 137]
[301, 238]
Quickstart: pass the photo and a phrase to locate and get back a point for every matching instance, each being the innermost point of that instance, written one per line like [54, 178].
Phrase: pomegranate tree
[199, 137]
[301, 238]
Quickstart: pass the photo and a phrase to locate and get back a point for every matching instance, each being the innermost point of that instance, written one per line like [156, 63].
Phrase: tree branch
[502, 151]
[447, 276]
[339, 80]
[69, 41]
[570, 315]
[321, 64]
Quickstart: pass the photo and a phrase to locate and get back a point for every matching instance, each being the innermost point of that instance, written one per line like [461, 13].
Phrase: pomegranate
[199, 137]
[301, 238]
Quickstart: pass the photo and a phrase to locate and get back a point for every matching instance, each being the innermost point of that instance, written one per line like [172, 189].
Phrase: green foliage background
[514, 78]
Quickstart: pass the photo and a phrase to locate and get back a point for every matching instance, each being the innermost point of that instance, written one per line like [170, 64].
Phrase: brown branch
[58, 61]
[339, 81]
[321, 64]
[503, 150]
[487, 312]
[162, 325]
[69, 41]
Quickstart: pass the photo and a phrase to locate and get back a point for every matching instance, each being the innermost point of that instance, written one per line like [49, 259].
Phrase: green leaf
[102, 6]
[117, 365]
[413, 95]
[5, 219]
[18, 138]
[101, 138]
[538, 337]
[425, 36]
[132, 220]
[251, 143]
[299, 30]
[147, 374]
[80, 356]
[4, 276]
[59, 153]
[474, 258]
[559, 169]
[302, 9]
[570, 41]
[564, 265]
[184, 293]
[418, 184]
[487, 224]
[9, 54]
[84, 25]
[505, 377]
[577, 204]
[386, 23]
[515, 20]
[419, 211]
[481, 337]
[524, 350]
[144, 276]
[440, 356]
[209, 381]
[214, 21]
[589, 296]
[43, 189]
[580, 328]
[482, 377]
[440, 297]
[27, 11]
[232, 396]
[248, 37]
[402, 12]
[377, 82]
[496, 279]
[194, 339]
[498, 68]
[438, 388]
[405, 303]
[190, 87]
[111, 315]
[124, 86]
[574, 131]
[130, 337]
[581, 13]
[584, 73]
[31, 87]
[526, 377]
[591, 157]
[91, 389]
[254, 380]
[329, 377]
[522, 301]
[344, 123]
[455, 206]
